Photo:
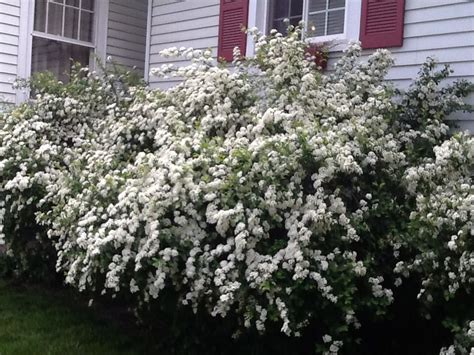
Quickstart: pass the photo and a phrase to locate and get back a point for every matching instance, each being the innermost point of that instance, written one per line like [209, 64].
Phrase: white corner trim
[257, 17]
[101, 28]
[27, 10]
[251, 22]
[146, 73]
[353, 17]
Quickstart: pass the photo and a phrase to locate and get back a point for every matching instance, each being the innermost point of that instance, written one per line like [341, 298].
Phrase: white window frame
[326, 38]
[259, 16]
[146, 70]
[27, 15]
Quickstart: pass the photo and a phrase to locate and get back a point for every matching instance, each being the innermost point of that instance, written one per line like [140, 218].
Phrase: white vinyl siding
[174, 23]
[443, 29]
[126, 36]
[9, 41]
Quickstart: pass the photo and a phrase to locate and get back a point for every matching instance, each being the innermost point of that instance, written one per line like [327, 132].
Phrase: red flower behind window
[318, 51]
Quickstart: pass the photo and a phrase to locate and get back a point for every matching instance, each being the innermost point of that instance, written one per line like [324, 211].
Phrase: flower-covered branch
[268, 192]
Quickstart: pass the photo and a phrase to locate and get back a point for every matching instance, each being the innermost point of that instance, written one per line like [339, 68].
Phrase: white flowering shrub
[267, 194]
[463, 342]
[36, 141]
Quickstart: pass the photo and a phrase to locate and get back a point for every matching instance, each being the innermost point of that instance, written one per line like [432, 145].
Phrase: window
[325, 17]
[281, 10]
[322, 17]
[62, 34]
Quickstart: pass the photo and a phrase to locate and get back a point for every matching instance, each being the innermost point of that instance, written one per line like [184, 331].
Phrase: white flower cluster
[444, 212]
[266, 190]
[464, 342]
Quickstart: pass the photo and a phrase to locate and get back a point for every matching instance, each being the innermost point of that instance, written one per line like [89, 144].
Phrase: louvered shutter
[382, 23]
[233, 16]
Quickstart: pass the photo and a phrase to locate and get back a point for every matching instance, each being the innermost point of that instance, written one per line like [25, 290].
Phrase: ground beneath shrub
[54, 320]
[35, 320]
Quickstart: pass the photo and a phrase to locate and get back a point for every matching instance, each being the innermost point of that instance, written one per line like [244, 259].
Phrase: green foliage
[268, 197]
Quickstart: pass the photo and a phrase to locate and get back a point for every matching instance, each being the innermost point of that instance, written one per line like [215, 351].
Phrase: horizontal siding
[173, 27]
[184, 35]
[190, 23]
[425, 4]
[433, 13]
[7, 28]
[126, 36]
[196, 42]
[9, 39]
[443, 29]
[440, 28]
[160, 9]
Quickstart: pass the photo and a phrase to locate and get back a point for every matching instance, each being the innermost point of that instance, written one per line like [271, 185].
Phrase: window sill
[336, 43]
[63, 39]
[322, 39]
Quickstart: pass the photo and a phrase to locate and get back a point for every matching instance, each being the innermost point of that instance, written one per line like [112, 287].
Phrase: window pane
[86, 26]
[296, 8]
[336, 3]
[71, 23]
[72, 3]
[280, 8]
[316, 25]
[55, 19]
[88, 4]
[40, 16]
[335, 22]
[295, 21]
[56, 57]
[317, 5]
[280, 26]
[58, 1]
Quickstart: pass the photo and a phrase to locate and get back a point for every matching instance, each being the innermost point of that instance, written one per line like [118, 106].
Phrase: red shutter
[233, 16]
[382, 23]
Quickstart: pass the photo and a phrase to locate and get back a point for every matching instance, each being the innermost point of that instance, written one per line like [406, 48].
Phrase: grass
[39, 320]
[35, 320]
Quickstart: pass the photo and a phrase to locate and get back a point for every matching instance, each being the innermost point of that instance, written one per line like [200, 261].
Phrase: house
[38, 35]
[43, 34]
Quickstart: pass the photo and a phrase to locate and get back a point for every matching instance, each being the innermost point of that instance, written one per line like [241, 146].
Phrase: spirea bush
[266, 193]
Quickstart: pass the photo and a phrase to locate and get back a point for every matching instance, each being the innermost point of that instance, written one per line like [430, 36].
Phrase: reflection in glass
[57, 57]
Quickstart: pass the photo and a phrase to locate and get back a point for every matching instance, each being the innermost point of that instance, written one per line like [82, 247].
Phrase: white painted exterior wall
[126, 34]
[175, 23]
[443, 29]
[440, 28]
[9, 47]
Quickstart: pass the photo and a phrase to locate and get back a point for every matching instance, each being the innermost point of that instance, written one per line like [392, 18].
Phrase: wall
[9, 41]
[440, 28]
[190, 23]
[126, 35]
[443, 29]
